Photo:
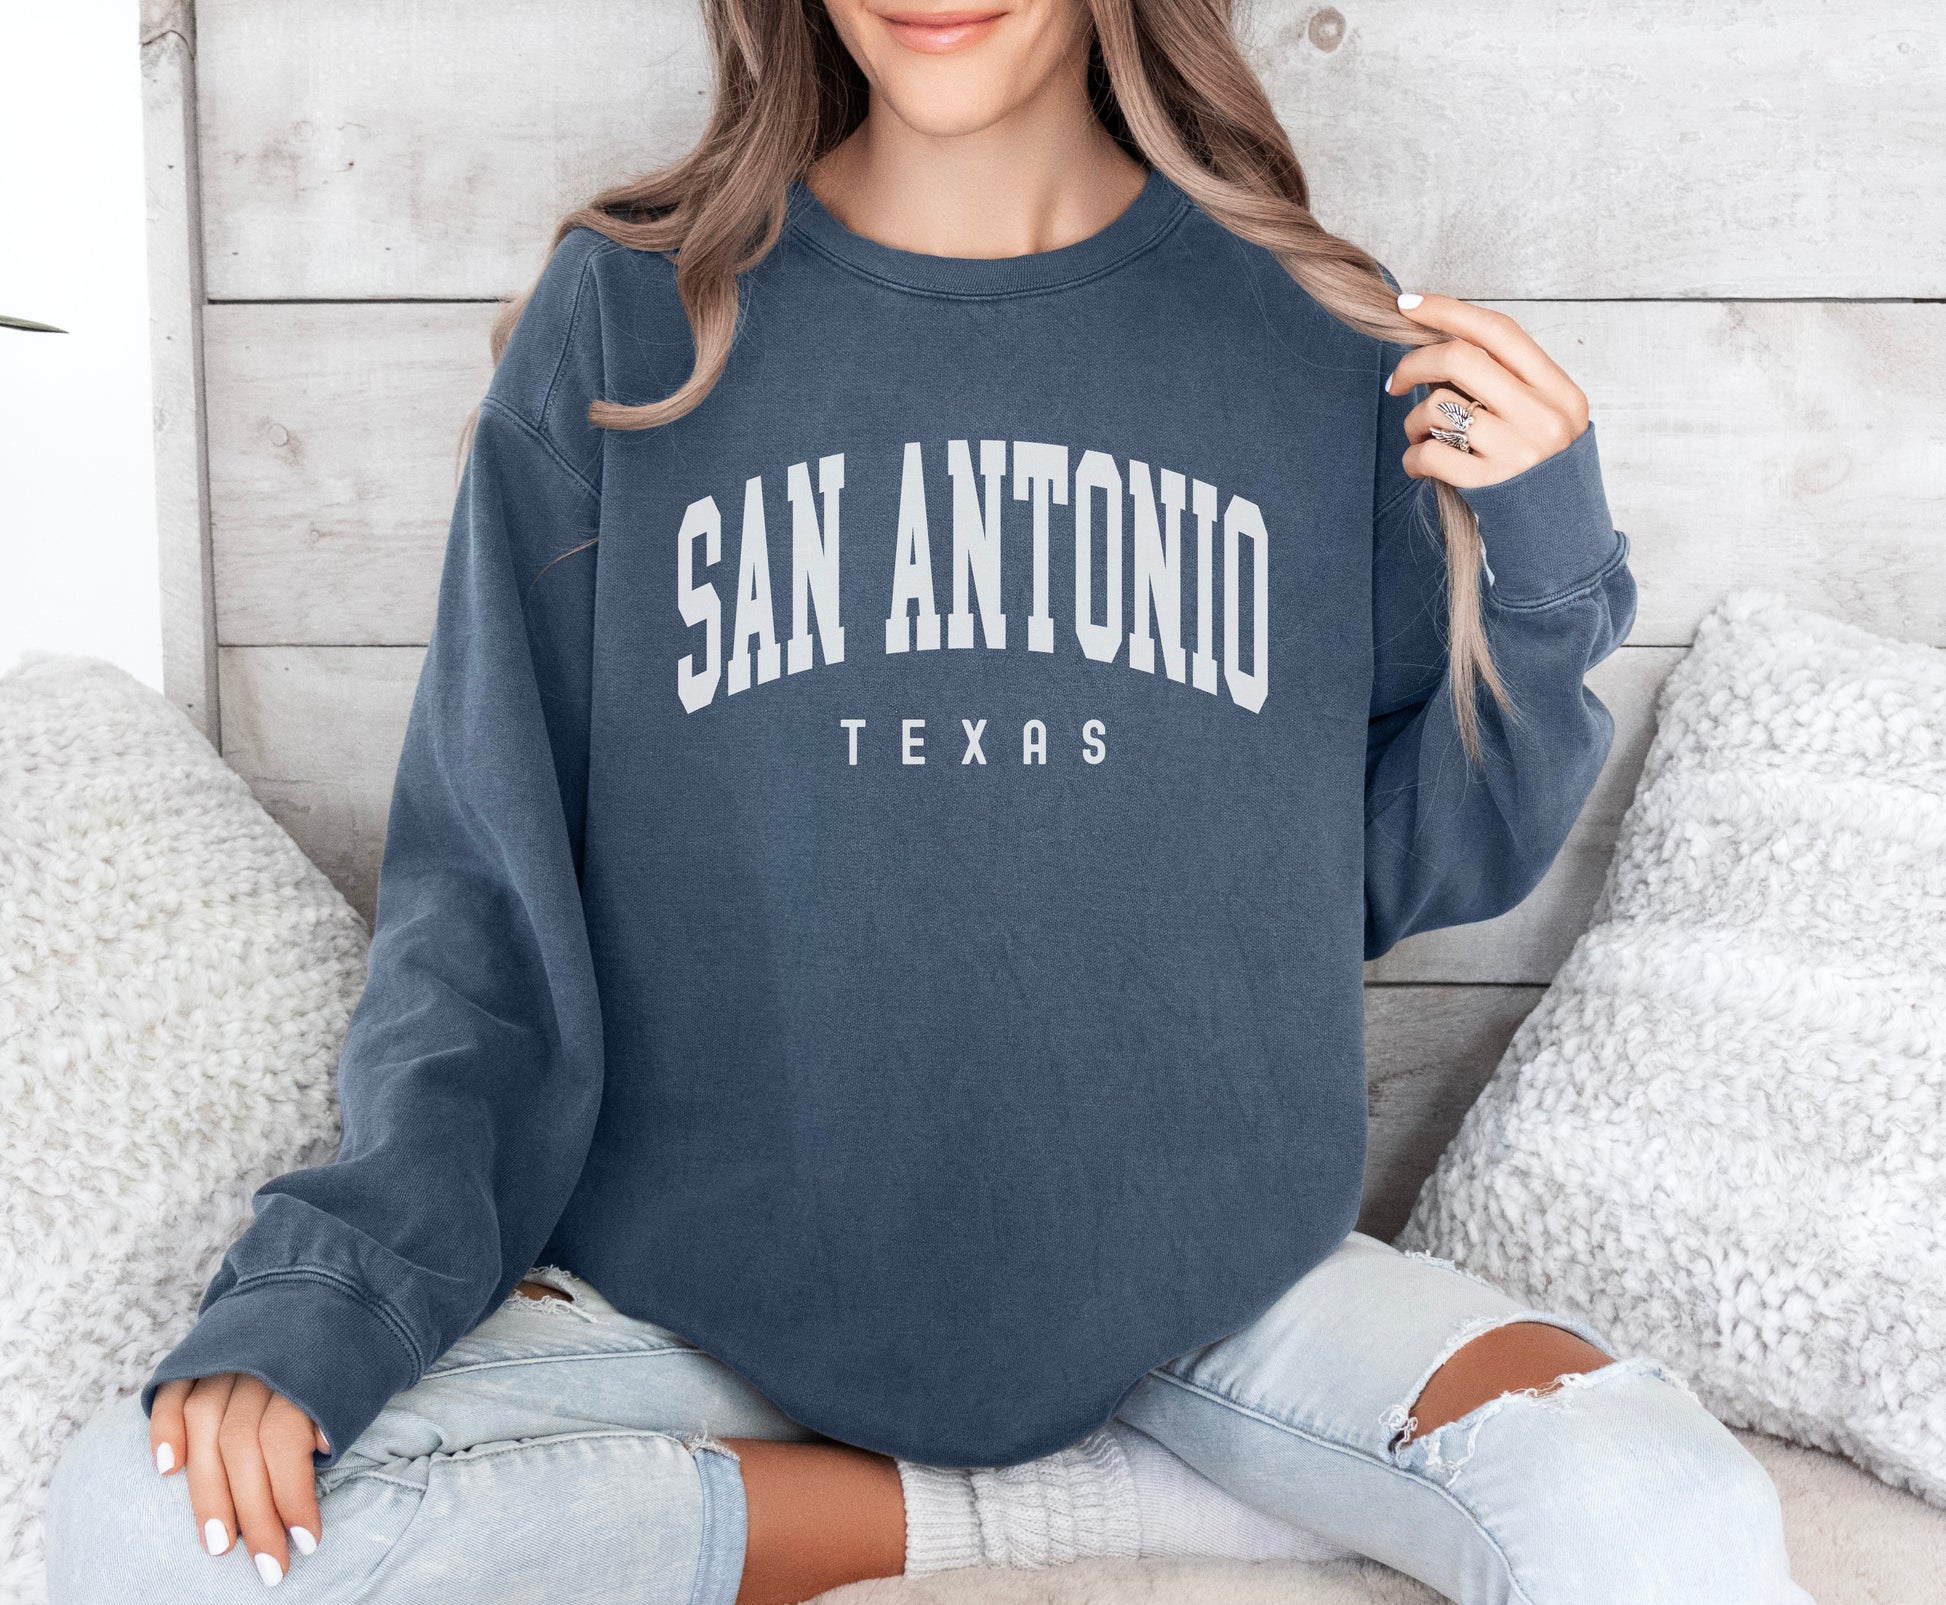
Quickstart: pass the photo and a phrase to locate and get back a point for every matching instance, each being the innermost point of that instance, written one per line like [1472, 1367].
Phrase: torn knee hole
[549, 1287]
[1517, 1358]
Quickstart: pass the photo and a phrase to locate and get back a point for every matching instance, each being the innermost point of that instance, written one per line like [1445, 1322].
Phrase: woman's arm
[471, 1075]
[1449, 842]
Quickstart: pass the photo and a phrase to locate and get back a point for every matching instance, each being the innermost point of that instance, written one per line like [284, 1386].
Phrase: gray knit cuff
[942, 1529]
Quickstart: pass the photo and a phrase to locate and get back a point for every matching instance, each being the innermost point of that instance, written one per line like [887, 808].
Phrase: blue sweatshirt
[880, 867]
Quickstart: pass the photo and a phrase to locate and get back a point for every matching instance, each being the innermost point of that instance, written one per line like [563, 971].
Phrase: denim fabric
[1618, 1488]
[564, 1450]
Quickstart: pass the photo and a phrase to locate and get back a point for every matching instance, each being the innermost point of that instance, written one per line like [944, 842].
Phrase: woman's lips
[937, 32]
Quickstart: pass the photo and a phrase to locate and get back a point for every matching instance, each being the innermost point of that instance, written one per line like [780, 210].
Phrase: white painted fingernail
[269, 1570]
[216, 1537]
[302, 1541]
[165, 1458]
[1390, 377]
[1409, 299]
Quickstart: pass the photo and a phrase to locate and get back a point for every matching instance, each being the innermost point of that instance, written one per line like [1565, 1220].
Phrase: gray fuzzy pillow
[176, 979]
[1719, 1136]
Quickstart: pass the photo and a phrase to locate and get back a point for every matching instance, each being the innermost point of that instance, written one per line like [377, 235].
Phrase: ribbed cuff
[309, 1335]
[1075, 1504]
[942, 1529]
[1548, 530]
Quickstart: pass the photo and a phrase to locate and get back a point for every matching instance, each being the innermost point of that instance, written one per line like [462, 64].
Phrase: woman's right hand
[247, 1454]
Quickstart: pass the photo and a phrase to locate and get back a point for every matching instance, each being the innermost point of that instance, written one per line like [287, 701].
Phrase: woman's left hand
[1525, 408]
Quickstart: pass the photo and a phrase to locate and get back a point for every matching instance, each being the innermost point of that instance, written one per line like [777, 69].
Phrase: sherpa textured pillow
[175, 981]
[1719, 1134]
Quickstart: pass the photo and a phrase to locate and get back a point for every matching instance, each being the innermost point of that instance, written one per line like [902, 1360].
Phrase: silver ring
[1463, 421]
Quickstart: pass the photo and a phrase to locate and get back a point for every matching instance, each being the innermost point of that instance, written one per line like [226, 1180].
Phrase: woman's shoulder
[595, 298]
[589, 284]
[585, 258]
[1249, 279]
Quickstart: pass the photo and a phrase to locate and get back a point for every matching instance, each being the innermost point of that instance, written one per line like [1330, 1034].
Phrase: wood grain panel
[1750, 443]
[1622, 148]
[317, 730]
[427, 147]
[1532, 148]
[175, 263]
[333, 439]
[1428, 1052]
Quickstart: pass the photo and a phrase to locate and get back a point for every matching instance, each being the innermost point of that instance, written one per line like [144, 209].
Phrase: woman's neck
[1045, 176]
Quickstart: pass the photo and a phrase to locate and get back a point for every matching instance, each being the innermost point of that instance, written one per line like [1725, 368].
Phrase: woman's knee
[1698, 1492]
[1655, 1434]
[103, 1466]
[1617, 1485]
[105, 1504]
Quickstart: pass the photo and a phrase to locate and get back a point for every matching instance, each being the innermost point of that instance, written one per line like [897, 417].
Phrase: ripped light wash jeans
[565, 1452]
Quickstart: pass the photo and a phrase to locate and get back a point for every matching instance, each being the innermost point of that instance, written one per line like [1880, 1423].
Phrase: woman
[965, 624]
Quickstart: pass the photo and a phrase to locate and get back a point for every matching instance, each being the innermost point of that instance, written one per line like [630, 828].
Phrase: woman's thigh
[1617, 1486]
[558, 1440]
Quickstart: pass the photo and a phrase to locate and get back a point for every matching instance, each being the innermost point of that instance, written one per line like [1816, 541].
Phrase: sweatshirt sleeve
[1448, 842]
[471, 1073]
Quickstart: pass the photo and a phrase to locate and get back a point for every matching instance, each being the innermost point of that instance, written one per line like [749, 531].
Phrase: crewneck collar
[1157, 207]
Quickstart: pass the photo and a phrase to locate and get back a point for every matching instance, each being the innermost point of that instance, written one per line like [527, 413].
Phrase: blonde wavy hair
[1168, 82]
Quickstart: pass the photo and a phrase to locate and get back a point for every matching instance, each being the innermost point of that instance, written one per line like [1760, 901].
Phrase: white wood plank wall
[1727, 221]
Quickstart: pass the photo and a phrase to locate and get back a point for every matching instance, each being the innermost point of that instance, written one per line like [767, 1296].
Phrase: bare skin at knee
[1504, 1359]
[819, 1515]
